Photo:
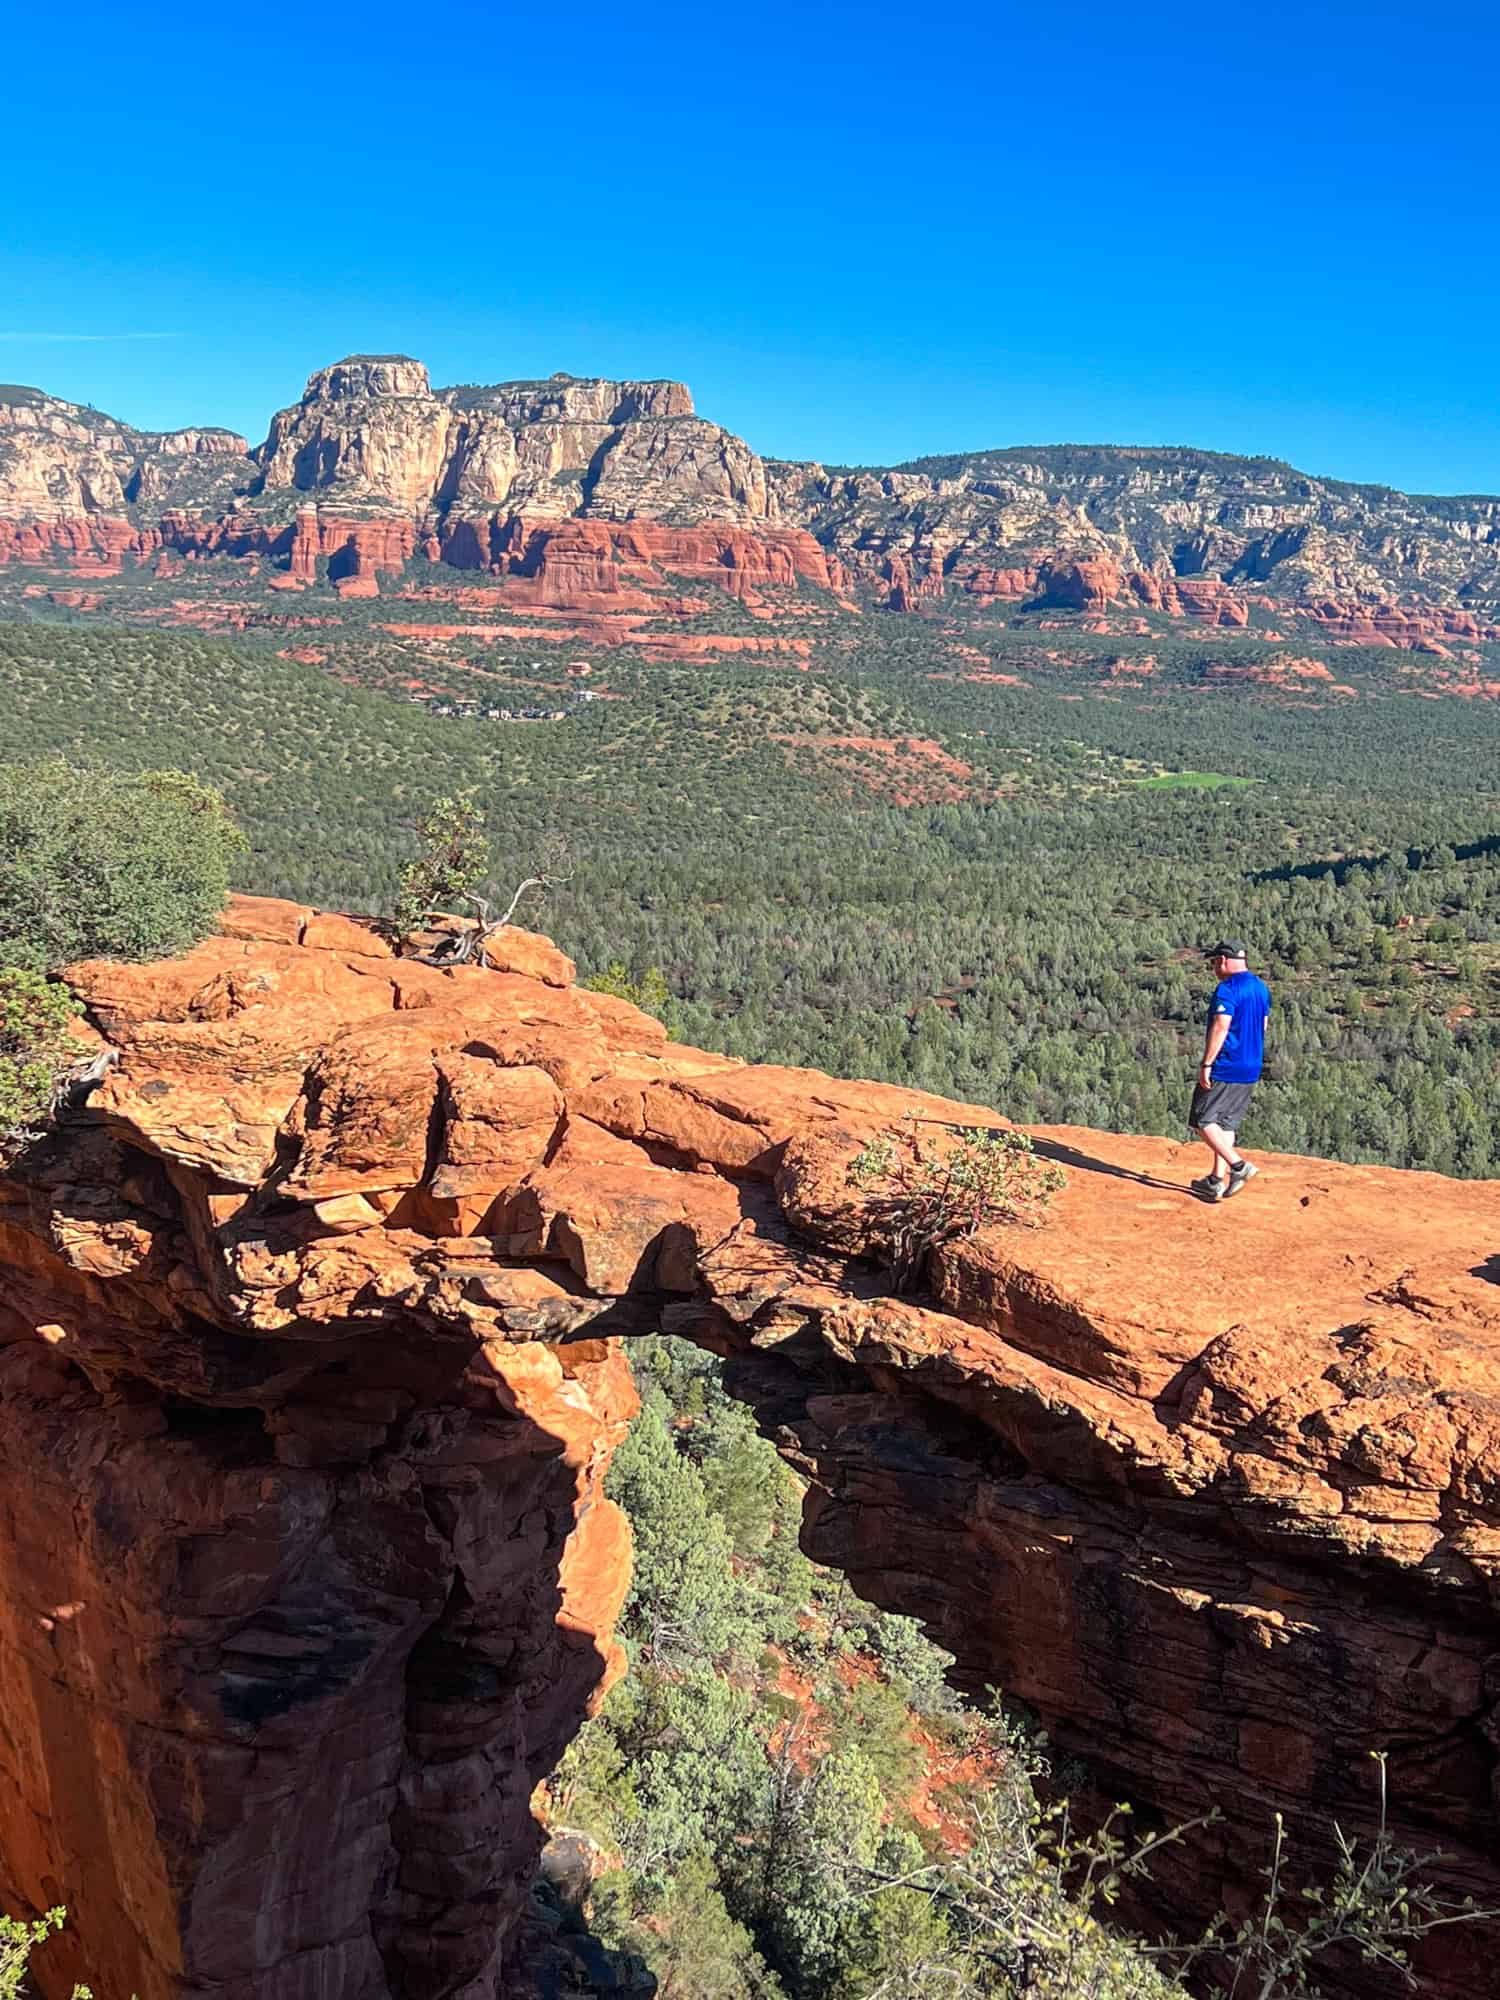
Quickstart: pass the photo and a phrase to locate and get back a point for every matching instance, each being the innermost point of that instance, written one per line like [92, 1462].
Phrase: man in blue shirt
[1232, 1054]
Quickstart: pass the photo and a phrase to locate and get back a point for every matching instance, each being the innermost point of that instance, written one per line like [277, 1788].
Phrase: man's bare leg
[1221, 1144]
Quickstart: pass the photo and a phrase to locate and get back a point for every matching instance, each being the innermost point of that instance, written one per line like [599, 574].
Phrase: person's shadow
[1069, 1156]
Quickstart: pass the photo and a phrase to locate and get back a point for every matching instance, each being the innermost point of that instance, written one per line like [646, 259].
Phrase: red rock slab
[737, 1119]
[266, 917]
[364, 1125]
[1300, 1246]
[515, 950]
[326, 931]
[496, 1124]
[622, 1228]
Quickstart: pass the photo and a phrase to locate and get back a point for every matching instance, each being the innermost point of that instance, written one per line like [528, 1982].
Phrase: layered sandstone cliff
[312, 1366]
[60, 462]
[1017, 522]
[578, 489]
[374, 467]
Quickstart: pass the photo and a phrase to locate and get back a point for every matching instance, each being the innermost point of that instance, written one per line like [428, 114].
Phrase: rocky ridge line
[583, 494]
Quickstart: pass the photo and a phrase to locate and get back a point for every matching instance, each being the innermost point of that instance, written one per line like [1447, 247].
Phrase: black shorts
[1222, 1104]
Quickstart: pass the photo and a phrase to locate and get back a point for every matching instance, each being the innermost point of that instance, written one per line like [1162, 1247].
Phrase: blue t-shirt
[1247, 1001]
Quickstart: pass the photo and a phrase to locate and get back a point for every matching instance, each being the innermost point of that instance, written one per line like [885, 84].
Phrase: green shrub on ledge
[923, 1192]
[37, 1054]
[93, 863]
[108, 864]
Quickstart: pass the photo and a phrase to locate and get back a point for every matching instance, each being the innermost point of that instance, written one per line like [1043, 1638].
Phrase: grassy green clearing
[1192, 781]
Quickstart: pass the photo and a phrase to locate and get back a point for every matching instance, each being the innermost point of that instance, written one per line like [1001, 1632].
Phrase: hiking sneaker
[1208, 1189]
[1238, 1177]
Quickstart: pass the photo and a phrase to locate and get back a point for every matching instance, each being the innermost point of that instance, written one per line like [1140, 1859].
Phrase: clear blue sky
[859, 233]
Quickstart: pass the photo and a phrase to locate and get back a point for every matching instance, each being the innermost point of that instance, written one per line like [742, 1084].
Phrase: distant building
[473, 711]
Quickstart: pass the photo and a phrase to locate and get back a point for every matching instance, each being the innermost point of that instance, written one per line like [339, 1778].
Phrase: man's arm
[1218, 1032]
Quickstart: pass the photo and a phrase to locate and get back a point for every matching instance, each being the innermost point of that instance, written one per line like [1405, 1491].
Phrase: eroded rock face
[580, 493]
[1216, 1494]
[310, 1370]
[70, 477]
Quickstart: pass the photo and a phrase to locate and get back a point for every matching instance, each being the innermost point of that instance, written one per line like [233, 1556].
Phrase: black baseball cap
[1227, 948]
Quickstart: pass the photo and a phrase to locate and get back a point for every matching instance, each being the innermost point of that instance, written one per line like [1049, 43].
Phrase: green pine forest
[1029, 942]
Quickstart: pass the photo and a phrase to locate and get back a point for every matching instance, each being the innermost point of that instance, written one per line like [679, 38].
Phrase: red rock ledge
[309, 1378]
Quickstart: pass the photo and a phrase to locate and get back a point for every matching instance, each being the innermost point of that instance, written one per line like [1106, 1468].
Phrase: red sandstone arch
[309, 1378]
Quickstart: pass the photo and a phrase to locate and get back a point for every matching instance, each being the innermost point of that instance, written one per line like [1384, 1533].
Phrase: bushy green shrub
[108, 864]
[649, 991]
[36, 1051]
[93, 863]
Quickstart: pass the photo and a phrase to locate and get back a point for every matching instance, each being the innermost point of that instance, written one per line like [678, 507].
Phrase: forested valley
[1030, 943]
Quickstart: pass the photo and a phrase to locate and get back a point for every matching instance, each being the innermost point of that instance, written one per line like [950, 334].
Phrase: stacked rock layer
[590, 495]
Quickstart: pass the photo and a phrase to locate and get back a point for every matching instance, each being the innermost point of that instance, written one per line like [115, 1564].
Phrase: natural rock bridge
[308, 1385]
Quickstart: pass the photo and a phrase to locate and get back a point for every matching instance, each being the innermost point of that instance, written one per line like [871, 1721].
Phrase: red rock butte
[311, 1365]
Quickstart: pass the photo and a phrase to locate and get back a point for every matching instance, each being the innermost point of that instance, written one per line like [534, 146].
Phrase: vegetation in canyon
[789, 1803]
[18, 1941]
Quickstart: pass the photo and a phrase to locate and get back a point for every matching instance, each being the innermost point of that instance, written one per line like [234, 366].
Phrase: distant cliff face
[374, 433]
[482, 477]
[60, 462]
[1254, 524]
[311, 1367]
